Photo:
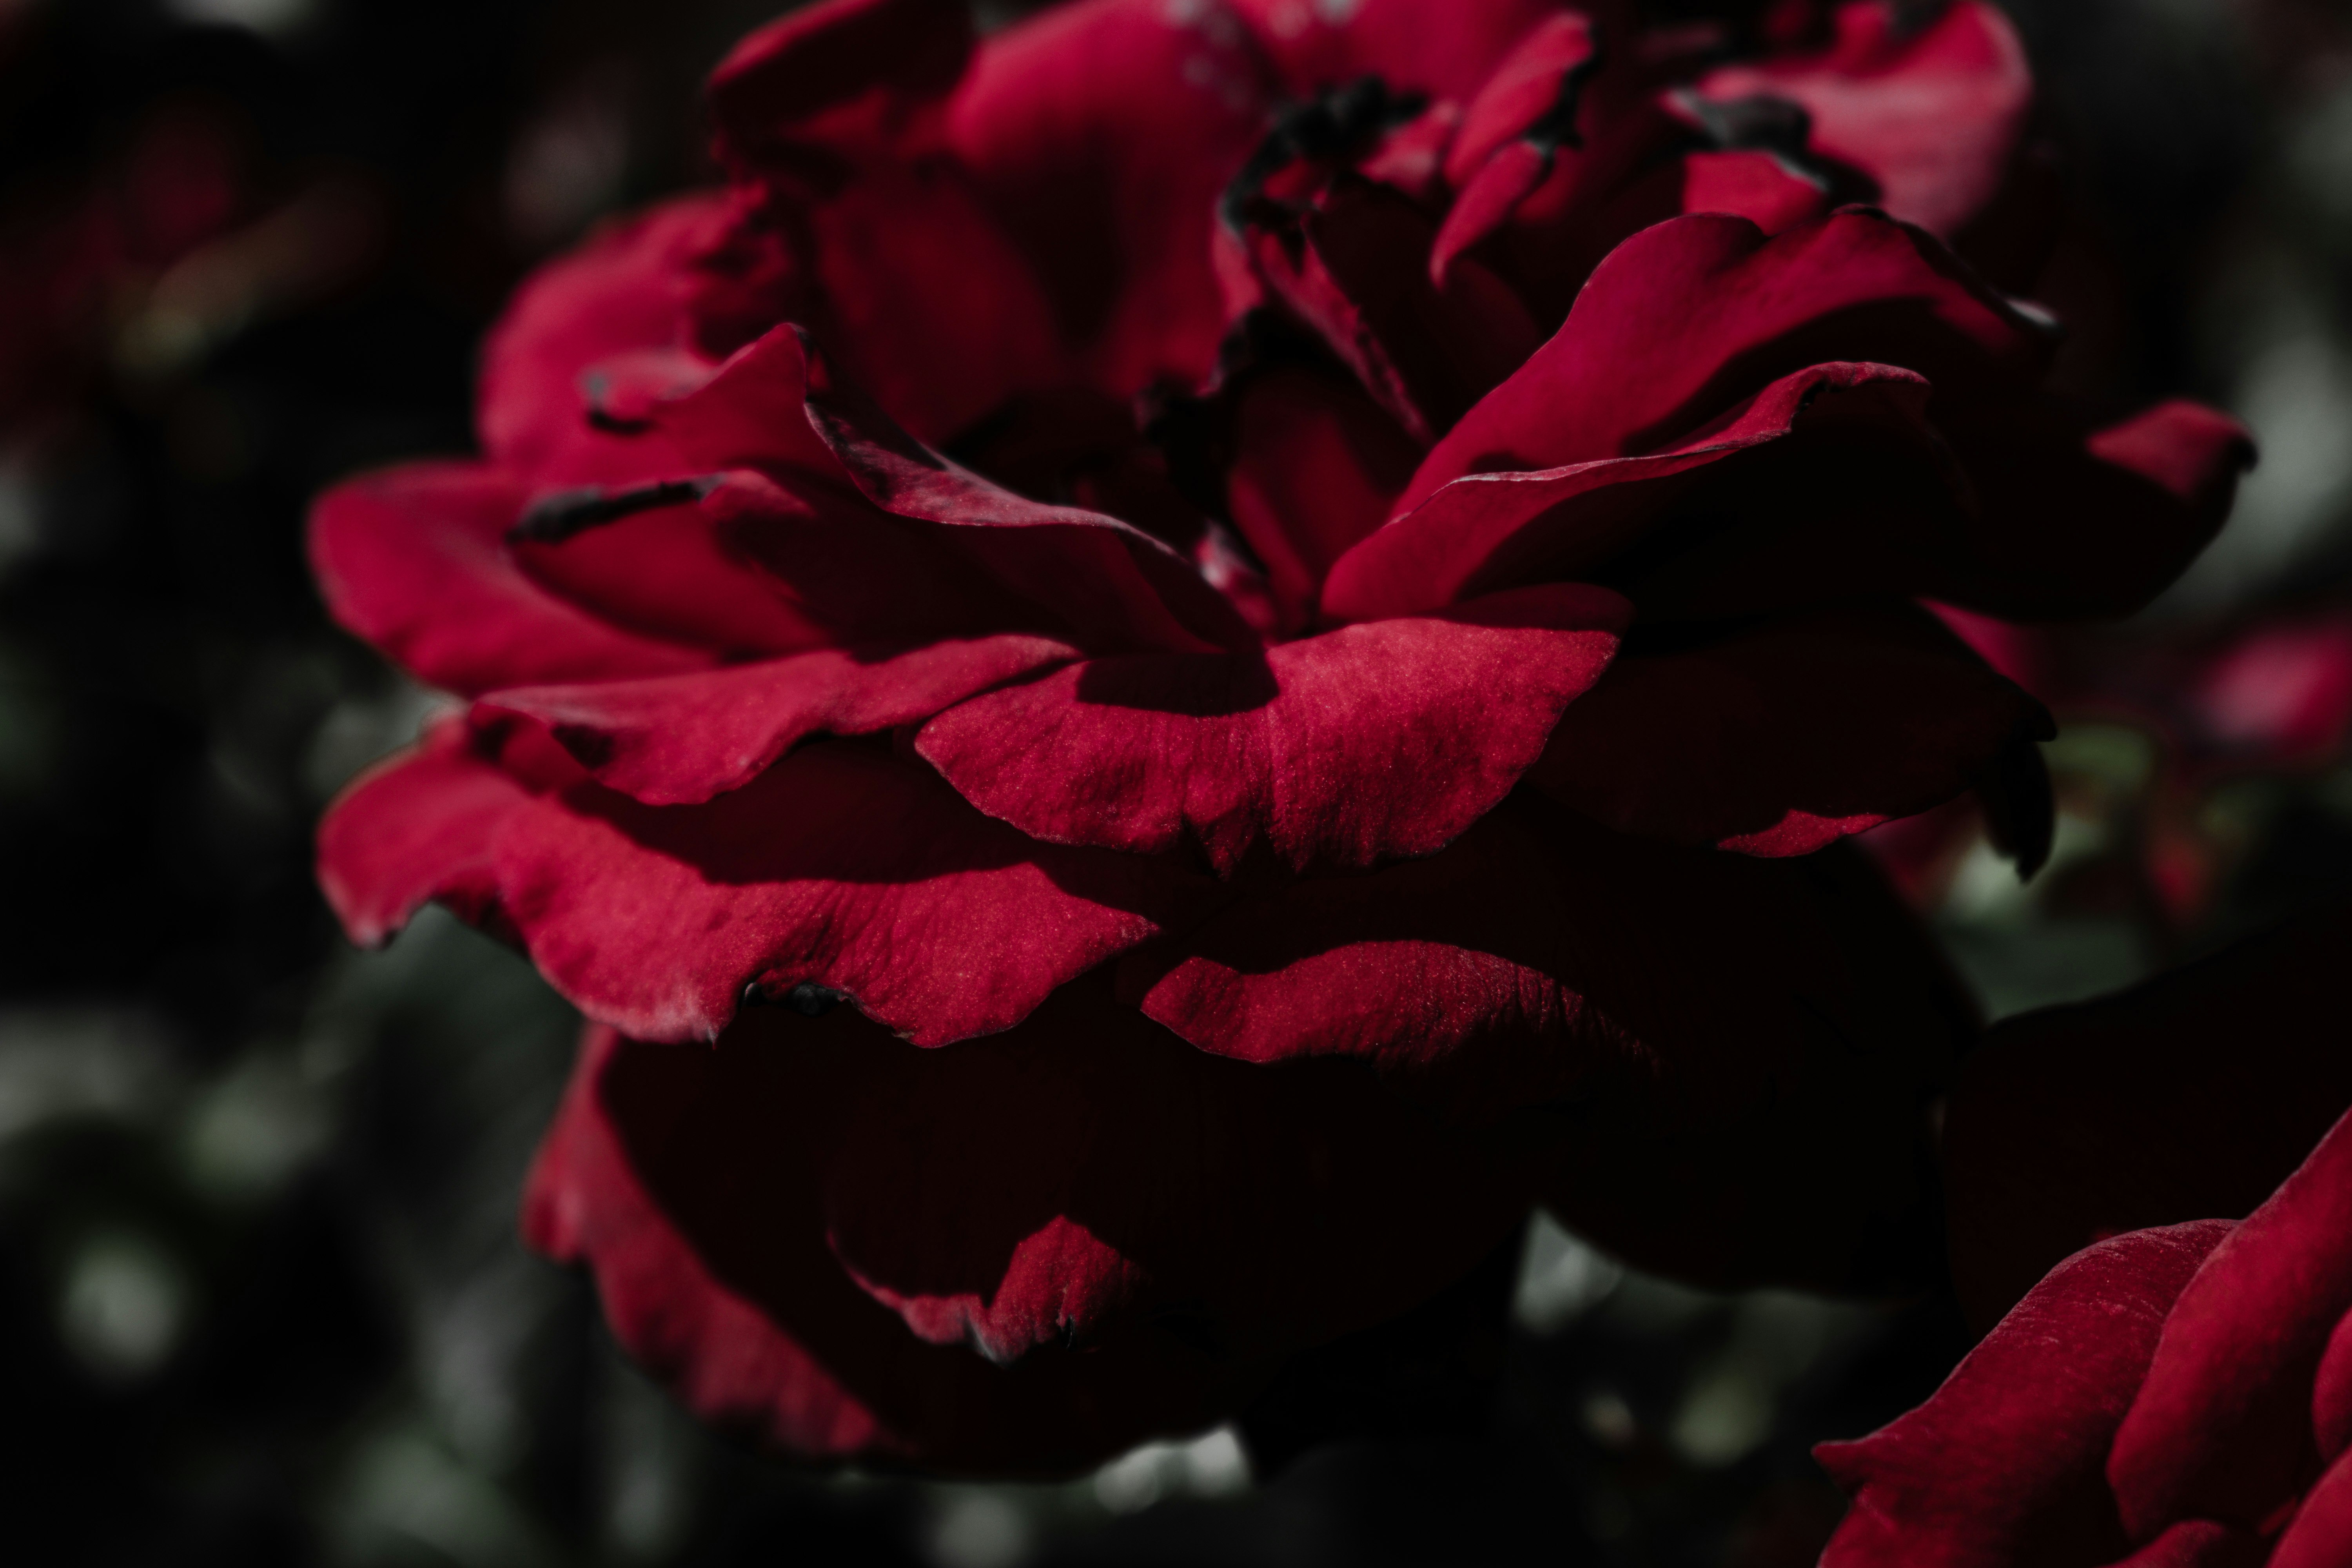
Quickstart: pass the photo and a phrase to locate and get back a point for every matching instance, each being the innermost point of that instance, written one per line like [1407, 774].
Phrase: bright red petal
[1378, 740]
[423, 823]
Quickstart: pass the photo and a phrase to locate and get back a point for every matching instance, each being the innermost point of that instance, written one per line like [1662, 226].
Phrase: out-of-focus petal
[413, 559]
[1377, 740]
[2069, 1124]
[2006, 1463]
[2222, 1429]
[1932, 115]
[1443, 47]
[1780, 738]
[840, 867]
[842, 76]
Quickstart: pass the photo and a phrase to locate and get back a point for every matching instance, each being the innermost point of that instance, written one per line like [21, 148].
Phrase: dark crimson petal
[1757, 186]
[839, 867]
[1356, 271]
[1932, 115]
[413, 560]
[1312, 1203]
[845, 76]
[680, 740]
[2201, 1544]
[1443, 47]
[1511, 132]
[1116, 586]
[1780, 738]
[2067, 1125]
[2331, 1394]
[2077, 521]
[418, 825]
[1719, 1064]
[2222, 1426]
[2005, 1465]
[1684, 319]
[1101, 135]
[1492, 530]
[730, 1199]
[1378, 740]
[1315, 466]
[2321, 1533]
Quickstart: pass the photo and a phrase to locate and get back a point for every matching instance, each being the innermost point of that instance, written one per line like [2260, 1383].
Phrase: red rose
[2176, 1394]
[890, 654]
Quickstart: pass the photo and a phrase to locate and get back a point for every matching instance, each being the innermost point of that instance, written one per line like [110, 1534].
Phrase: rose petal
[1934, 115]
[1101, 135]
[2320, 1536]
[1489, 531]
[845, 76]
[680, 740]
[412, 559]
[732, 1200]
[1780, 738]
[1443, 48]
[420, 825]
[1680, 320]
[2331, 1394]
[1374, 742]
[2068, 1125]
[2006, 1463]
[1315, 469]
[839, 867]
[2222, 1429]
[2200, 1543]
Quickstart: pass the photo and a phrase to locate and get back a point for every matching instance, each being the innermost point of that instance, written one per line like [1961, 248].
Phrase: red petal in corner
[2078, 522]
[1443, 48]
[2005, 1464]
[2222, 1426]
[1378, 740]
[841, 865]
[421, 825]
[1682, 321]
[680, 740]
[1933, 117]
[1717, 1062]
[2321, 1533]
[414, 560]
[1100, 134]
[1778, 739]
[1490, 531]
[1315, 469]
[2201, 1544]
[2067, 1125]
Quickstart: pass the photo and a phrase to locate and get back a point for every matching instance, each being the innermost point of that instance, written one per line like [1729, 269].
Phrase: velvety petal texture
[1176, 657]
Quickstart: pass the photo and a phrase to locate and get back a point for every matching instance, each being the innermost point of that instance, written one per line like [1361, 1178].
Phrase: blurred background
[261, 1300]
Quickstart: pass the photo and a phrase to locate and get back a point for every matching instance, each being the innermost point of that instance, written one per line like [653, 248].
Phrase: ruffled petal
[2005, 1464]
[1488, 530]
[1780, 738]
[1378, 740]
[413, 560]
[849, 1247]
[1101, 135]
[1718, 1063]
[1682, 320]
[2067, 1125]
[421, 825]
[2222, 1429]
[840, 867]
[1932, 115]
[680, 740]
[1443, 48]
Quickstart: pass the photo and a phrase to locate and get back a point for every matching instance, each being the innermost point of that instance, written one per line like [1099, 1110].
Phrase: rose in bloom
[1125, 785]
[2180, 1394]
